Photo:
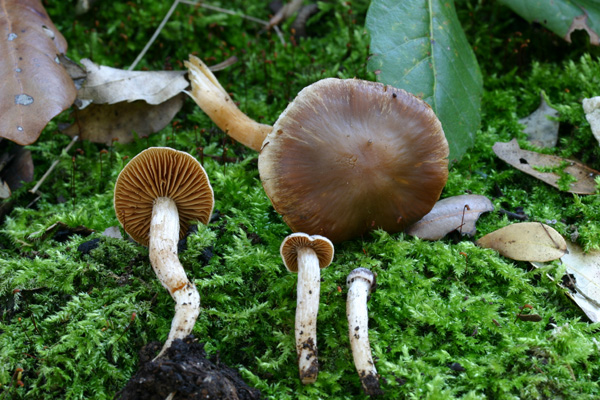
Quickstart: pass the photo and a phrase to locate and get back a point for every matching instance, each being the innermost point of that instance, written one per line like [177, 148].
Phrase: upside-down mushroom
[158, 193]
[345, 157]
[306, 255]
[360, 283]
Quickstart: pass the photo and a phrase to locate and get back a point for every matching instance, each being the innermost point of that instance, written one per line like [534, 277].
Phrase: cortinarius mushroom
[345, 157]
[157, 194]
[349, 156]
[360, 283]
[306, 255]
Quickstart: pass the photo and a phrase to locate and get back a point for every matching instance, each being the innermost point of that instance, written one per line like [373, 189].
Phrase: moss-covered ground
[442, 321]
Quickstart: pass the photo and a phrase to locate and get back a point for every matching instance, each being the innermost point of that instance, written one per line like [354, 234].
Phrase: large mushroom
[306, 255]
[158, 193]
[345, 157]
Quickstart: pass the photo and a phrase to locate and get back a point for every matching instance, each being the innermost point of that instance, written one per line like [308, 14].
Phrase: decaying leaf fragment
[526, 241]
[34, 86]
[583, 273]
[582, 278]
[591, 107]
[101, 123]
[453, 213]
[534, 163]
[581, 23]
[540, 128]
[106, 85]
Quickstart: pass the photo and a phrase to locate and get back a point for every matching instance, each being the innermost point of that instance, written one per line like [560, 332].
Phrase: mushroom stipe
[360, 283]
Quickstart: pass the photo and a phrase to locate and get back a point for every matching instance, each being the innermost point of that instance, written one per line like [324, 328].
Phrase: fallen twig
[43, 178]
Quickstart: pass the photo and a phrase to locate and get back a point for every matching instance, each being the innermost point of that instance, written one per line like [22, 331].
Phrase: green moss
[443, 319]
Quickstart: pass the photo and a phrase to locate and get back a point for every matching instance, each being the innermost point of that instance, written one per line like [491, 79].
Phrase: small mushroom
[345, 157]
[158, 193]
[306, 255]
[360, 283]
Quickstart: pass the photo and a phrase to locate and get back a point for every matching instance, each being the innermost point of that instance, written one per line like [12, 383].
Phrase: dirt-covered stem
[360, 283]
[164, 236]
[307, 309]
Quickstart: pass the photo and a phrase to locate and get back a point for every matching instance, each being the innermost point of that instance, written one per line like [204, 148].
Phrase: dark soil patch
[184, 369]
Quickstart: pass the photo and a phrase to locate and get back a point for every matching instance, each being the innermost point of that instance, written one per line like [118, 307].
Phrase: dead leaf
[582, 278]
[453, 213]
[526, 241]
[112, 232]
[581, 22]
[4, 190]
[583, 270]
[106, 85]
[527, 161]
[541, 129]
[34, 86]
[591, 107]
[101, 123]
[76, 73]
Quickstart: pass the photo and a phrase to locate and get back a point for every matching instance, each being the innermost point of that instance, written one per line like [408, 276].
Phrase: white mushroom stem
[164, 236]
[307, 308]
[359, 283]
[208, 93]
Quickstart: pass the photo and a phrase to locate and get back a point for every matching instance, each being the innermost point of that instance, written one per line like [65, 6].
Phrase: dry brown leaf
[101, 123]
[34, 86]
[453, 213]
[527, 161]
[540, 128]
[106, 85]
[526, 241]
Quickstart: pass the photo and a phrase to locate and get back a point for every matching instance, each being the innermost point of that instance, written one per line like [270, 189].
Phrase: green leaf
[561, 16]
[419, 46]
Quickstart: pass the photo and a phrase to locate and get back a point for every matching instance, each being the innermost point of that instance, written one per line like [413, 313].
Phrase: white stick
[360, 281]
[164, 236]
[307, 309]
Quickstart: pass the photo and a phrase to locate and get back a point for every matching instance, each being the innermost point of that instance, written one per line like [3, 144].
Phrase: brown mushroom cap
[290, 245]
[161, 172]
[349, 156]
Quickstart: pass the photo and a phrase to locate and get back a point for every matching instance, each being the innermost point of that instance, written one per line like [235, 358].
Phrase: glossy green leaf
[561, 16]
[419, 46]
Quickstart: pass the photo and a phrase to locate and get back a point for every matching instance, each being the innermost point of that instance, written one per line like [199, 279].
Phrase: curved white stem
[208, 93]
[307, 308]
[360, 282]
[164, 236]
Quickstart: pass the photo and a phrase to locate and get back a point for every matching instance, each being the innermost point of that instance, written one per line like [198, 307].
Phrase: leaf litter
[549, 168]
[450, 214]
[526, 241]
[581, 278]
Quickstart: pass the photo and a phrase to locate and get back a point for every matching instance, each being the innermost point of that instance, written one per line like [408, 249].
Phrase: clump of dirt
[185, 370]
